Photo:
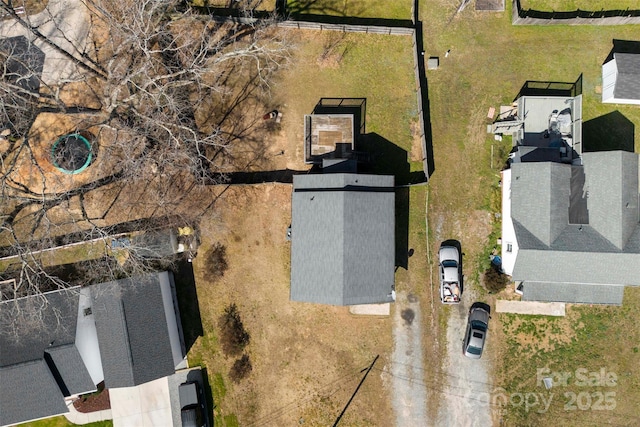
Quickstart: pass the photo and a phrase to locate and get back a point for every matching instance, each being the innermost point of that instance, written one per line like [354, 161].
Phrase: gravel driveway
[407, 376]
[465, 397]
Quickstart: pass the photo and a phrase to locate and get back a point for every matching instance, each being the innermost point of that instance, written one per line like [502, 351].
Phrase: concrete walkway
[146, 405]
[82, 418]
[531, 307]
[370, 309]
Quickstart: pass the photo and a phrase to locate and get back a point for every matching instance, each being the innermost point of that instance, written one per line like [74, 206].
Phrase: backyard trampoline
[71, 153]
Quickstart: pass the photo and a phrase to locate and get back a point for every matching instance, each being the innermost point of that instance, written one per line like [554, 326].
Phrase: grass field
[489, 62]
[397, 9]
[592, 355]
[571, 5]
[62, 422]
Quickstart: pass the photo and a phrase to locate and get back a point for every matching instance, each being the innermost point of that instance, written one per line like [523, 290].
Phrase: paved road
[64, 22]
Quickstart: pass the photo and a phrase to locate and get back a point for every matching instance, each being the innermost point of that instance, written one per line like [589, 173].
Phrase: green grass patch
[397, 9]
[324, 65]
[590, 356]
[253, 4]
[338, 65]
[63, 255]
[63, 422]
[226, 421]
[571, 5]
[489, 61]
[217, 387]
[218, 391]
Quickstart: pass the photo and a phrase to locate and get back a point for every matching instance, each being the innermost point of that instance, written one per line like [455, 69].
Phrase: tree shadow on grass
[610, 132]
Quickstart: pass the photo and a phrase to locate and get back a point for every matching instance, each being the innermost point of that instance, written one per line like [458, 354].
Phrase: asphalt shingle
[132, 330]
[343, 239]
[628, 79]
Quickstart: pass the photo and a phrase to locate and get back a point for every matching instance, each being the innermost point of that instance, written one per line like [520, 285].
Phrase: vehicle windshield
[449, 263]
[478, 325]
[474, 350]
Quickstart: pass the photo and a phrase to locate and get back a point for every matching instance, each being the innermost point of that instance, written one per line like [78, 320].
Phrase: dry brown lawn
[307, 359]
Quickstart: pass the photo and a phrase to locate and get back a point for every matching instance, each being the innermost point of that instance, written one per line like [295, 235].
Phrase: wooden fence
[402, 28]
[522, 16]
[346, 28]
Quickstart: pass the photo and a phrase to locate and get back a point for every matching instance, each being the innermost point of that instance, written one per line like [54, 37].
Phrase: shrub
[240, 368]
[234, 338]
[216, 261]
[494, 279]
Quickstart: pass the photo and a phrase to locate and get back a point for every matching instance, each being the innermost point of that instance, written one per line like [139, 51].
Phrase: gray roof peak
[540, 192]
[343, 238]
[612, 185]
[628, 78]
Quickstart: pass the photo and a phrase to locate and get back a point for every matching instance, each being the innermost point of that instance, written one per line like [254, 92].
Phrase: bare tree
[161, 93]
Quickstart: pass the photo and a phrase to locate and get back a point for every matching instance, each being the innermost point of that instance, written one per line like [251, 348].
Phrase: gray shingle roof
[613, 268]
[343, 239]
[71, 370]
[40, 363]
[612, 185]
[132, 331]
[28, 391]
[605, 251]
[581, 237]
[58, 311]
[573, 293]
[43, 365]
[540, 195]
[628, 79]
[526, 239]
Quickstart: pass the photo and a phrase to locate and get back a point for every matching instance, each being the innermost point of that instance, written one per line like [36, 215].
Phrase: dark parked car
[476, 334]
[191, 405]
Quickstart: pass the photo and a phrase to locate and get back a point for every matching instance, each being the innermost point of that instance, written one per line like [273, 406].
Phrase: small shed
[621, 79]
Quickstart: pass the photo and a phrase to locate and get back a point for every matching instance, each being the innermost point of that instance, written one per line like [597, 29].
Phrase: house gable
[343, 239]
[135, 346]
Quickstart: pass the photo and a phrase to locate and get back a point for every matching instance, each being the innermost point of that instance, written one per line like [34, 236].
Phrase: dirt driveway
[466, 396]
[406, 373]
[463, 385]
